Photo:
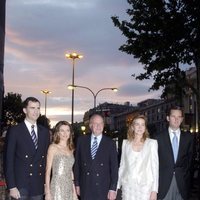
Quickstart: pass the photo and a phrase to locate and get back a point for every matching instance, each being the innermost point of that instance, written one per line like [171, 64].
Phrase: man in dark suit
[96, 164]
[175, 150]
[26, 150]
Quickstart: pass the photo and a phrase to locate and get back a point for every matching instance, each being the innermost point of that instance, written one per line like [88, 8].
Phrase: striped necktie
[34, 137]
[175, 146]
[94, 148]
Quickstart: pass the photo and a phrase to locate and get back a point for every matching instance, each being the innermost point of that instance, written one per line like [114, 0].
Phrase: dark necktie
[175, 145]
[94, 148]
[34, 137]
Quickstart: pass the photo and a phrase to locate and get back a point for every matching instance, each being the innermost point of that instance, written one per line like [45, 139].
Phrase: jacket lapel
[88, 149]
[100, 148]
[168, 143]
[27, 137]
[181, 145]
[40, 142]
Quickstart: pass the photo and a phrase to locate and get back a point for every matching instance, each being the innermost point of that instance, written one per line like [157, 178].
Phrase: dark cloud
[136, 89]
[40, 32]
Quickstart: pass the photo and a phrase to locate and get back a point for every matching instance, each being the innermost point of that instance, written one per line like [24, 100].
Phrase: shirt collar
[99, 137]
[28, 125]
[171, 133]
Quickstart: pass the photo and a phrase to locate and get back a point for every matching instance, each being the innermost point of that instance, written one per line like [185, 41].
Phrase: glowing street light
[83, 128]
[45, 92]
[73, 56]
[72, 87]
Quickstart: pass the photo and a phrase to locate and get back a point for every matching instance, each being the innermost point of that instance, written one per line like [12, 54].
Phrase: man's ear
[167, 118]
[182, 119]
[24, 110]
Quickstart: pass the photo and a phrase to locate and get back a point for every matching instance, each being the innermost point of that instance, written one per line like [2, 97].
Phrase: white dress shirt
[99, 137]
[28, 125]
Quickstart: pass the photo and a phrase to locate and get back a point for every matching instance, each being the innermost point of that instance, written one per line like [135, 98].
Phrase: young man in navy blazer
[96, 175]
[175, 160]
[25, 156]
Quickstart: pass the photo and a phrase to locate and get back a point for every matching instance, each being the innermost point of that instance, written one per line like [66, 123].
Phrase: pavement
[194, 195]
[194, 192]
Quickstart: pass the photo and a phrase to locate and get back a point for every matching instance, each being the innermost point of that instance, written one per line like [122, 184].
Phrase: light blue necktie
[175, 146]
[94, 148]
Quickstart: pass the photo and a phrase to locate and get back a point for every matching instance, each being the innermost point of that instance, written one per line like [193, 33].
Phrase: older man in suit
[175, 150]
[26, 150]
[96, 164]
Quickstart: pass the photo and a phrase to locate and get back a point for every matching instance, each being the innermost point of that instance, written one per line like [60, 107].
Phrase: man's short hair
[26, 101]
[175, 107]
[96, 114]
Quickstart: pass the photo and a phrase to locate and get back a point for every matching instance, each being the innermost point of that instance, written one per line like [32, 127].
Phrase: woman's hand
[153, 196]
[48, 196]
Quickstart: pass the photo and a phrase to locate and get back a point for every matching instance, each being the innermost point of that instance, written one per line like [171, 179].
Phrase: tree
[44, 121]
[164, 35]
[12, 109]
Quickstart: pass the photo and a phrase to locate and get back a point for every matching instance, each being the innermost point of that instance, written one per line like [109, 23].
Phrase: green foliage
[44, 121]
[12, 109]
[163, 35]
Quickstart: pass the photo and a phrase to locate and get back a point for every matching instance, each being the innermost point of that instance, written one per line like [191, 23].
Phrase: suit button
[84, 164]
[31, 174]
[97, 174]
[101, 164]
[26, 156]
[88, 173]
[40, 165]
[42, 156]
[97, 184]
[40, 174]
[31, 165]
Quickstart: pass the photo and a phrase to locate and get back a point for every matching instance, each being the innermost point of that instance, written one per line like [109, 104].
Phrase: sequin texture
[61, 183]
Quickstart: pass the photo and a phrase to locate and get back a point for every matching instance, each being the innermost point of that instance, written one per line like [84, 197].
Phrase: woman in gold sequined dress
[60, 160]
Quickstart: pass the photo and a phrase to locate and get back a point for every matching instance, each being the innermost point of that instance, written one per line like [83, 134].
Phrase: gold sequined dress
[61, 182]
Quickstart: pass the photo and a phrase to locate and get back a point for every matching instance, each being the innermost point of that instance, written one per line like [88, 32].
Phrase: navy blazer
[96, 177]
[181, 168]
[25, 166]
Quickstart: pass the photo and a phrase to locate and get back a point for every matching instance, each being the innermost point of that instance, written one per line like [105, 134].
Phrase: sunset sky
[40, 32]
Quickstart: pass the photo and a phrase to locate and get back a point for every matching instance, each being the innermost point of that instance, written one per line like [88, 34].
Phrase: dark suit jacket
[96, 177]
[25, 166]
[167, 166]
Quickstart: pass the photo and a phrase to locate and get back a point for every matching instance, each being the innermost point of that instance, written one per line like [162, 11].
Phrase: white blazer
[142, 169]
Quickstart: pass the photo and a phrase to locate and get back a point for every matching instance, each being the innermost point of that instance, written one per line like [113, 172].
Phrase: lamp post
[45, 92]
[72, 87]
[73, 56]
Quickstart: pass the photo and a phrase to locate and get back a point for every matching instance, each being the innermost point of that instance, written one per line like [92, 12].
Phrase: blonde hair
[131, 132]
[56, 136]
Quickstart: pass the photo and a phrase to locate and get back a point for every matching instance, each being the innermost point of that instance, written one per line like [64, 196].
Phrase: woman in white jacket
[138, 172]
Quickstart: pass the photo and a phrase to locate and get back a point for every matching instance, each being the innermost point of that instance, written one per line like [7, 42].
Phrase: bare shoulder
[52, 148]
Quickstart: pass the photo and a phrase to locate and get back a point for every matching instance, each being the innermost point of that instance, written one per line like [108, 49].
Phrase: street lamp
[72, 87]
[45, 92]
[73, 56]
[83, 129]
